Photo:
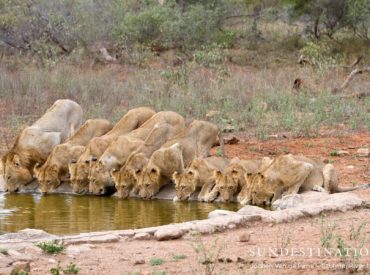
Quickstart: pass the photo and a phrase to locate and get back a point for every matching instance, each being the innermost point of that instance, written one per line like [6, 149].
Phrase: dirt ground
[299, 241]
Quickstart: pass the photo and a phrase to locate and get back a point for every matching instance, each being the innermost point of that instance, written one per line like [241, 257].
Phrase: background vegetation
[237, 57]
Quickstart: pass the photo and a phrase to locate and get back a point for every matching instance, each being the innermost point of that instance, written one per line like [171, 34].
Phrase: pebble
[244, 237]
[363, 152]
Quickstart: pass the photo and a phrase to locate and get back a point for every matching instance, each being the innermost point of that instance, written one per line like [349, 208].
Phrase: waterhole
[68, 214]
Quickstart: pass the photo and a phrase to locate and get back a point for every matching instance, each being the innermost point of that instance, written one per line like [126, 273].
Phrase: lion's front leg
[205, 191]
[212, 195]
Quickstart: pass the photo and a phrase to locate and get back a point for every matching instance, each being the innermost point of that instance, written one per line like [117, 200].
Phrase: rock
[244, 237]
[20, 266]
[139, 261]
[289, 201]
[341, 153]
[127, 233]
[228, 128]
[5, 261]
[169, 233]
[32, 250]
[219, 212]
[107, 238]
[231, 140]
[350, 167]
[28, 235]
[363, 152]
[77, 249]
[225, 260]
[52, 261]
[204, 228]
[143, 236]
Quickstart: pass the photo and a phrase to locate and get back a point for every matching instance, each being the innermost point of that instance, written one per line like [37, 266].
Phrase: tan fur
[199, 175]
[231, 180]
[115, 156]
[55, 169]
[79, 170]
[125, 179]
[159, 170]
[195, 142]
[290, 174]
[34, 143]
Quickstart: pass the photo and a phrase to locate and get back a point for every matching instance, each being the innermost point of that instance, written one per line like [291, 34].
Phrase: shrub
[52, 247]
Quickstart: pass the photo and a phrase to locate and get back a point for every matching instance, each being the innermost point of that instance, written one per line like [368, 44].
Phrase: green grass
[179, 257]
[4, 251]
[156, 261]
[52, 247]
[72, 269]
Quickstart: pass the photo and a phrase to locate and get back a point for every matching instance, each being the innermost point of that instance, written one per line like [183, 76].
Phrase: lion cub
[289, 174]
[198, 175]
[232, 180]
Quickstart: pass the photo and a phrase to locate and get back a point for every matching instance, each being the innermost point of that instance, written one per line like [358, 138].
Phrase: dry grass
[260, 101]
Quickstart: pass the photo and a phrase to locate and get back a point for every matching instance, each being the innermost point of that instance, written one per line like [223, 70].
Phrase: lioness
[195, 141]
[79, 169]
[231, 180]
[289, 174]
[200, 174]
[34, 143]
[55, 169]
[125, 178]
[115, 156]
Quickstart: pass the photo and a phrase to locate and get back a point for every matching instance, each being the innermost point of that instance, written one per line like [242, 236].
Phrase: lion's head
[48, 177]
[185, 183]
[256, 191]
[149, 182]
[99, 177]
[229, 182]
[79, 173]
[16, 172]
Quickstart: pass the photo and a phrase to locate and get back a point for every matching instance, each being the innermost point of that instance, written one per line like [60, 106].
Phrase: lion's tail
[347, 189]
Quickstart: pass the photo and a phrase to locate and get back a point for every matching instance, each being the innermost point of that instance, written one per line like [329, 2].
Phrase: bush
[52, 247]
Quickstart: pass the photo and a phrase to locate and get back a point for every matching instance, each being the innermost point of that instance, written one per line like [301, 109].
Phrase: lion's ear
[114, 173]
[175, 176]
[217, 174]
[36, 168]
[153, 174]
[16, 159]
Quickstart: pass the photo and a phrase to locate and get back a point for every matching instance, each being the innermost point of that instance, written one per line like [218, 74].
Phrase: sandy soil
[301, 239]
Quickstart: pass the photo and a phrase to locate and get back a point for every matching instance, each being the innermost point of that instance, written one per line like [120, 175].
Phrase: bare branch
[349, 78]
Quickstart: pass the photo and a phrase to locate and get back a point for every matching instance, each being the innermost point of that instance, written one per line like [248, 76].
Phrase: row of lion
[143, 152]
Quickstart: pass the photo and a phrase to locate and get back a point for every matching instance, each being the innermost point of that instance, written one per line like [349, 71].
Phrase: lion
[193, 142]
[55, 169]
[199, 175]
[159, 170]
[115, 156]
[290, 174]
[34, 143]
[231, 180]
[79, 168]
[125, 178]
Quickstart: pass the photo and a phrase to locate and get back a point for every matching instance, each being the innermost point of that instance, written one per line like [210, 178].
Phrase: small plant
[348, 251]
[207, 256]
[334, 153]
[56, 270]
[327, 233]
[179, 257]
[53, 247]
[4, 251]
[283, 239]
[156, 261]
[71, 269]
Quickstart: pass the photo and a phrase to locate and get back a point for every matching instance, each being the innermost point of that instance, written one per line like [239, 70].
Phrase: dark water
[67, 214]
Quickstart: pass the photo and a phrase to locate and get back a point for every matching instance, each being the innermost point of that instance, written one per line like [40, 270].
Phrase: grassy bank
[259, 101]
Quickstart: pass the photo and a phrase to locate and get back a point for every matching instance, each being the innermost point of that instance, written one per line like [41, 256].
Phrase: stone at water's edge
[27, 235]
[303, 205]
